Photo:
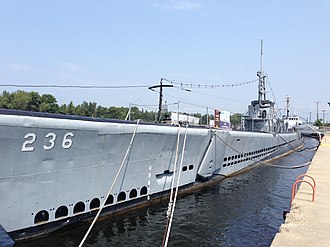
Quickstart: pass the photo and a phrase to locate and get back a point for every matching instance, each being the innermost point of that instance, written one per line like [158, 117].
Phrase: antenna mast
[287, 107]
[260, 74]
[161, 85]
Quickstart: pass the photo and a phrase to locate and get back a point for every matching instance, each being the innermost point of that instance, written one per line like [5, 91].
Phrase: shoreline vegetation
[33, 101]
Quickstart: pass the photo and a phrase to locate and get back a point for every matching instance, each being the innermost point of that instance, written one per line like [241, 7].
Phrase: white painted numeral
[30, 139]
[51, 140]
[67, 143]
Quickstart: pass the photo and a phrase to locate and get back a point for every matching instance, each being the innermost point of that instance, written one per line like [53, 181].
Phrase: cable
[262, 162]
[214, 96]
[75, 86]
[204, 85]
[271, 89]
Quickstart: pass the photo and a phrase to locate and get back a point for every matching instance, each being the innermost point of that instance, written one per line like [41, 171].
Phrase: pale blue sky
[137, 42]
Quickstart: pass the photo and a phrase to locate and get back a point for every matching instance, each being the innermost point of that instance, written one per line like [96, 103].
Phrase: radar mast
[260, 74]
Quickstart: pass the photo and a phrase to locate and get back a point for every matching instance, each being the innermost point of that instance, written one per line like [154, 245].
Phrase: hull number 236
[49, 143]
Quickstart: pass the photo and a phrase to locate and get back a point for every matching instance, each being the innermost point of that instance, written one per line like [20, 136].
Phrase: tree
[318, 122]
[48, 104]
[34, 103]
[71, 108]
[6, 100]
[235, 120]
[20, 100]
[63, 109]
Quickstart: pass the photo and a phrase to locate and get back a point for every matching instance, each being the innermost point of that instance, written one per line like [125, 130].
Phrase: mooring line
[286, 167]
[170, 203]
[262, 162]
[176, 191]
[113, 183]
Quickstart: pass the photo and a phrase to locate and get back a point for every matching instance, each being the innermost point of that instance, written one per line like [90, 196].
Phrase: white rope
[263, 162]
[170, 203]
[317, 132]
[176, 190]
[285, 167]
[108, 194]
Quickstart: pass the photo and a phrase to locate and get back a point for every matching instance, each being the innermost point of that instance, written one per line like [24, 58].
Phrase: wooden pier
[308, 223]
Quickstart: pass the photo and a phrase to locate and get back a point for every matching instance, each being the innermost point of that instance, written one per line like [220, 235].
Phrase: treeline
[33, 101]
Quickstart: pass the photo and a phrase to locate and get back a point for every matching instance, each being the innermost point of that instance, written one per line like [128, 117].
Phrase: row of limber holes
[63, 211]
[248, 156]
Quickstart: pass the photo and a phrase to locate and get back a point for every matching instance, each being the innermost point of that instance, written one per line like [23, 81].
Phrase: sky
[199, 42]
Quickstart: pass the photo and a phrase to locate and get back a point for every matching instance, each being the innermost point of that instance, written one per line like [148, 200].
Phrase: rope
[170, 203]
[176, 191]
[174, 172]
[288, 143]
[286, 167]
[262, 162]
[317, 132]
[113, 183]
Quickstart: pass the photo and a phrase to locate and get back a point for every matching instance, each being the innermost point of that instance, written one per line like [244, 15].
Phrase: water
[244, 210]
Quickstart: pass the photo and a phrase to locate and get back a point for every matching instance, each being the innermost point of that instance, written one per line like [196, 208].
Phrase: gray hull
[58, 168]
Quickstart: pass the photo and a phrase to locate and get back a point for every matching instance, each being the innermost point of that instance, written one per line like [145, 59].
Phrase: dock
[308, 223]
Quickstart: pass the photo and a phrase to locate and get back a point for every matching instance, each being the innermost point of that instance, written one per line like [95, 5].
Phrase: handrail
[293, 190]
[306, 175]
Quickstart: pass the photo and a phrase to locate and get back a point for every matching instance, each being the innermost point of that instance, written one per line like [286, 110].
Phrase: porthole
[191, 167]
[61, 212]
[95, 203]
[184, 168]
[235, 156]
[225, 159]
[143, 191]
[122, 196]
[133, 193]
[110, 200]
[41, 216]
[79, 207]
[224, 165]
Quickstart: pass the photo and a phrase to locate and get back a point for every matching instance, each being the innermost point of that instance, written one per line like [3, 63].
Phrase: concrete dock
[308, 223]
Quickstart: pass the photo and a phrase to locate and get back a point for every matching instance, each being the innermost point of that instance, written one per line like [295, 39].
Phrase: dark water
[244, 210]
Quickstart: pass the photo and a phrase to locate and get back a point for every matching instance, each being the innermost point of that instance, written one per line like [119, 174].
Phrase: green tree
[34, 103]
[318, 122]
[235, 120]
[48, 104]
[6, 100]
[63, 109]
[71, 108]
[20, 100]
